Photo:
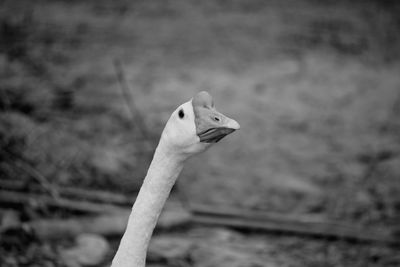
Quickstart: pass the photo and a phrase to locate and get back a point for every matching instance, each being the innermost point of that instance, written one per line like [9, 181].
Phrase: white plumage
[191, 129]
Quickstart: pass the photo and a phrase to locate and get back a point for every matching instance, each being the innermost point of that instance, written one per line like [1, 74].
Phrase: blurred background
[86, 87]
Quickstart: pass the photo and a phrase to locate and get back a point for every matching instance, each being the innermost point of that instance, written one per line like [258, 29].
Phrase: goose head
[196, 125]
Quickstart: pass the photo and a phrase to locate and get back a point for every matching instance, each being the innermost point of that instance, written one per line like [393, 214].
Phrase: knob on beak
[211, 125]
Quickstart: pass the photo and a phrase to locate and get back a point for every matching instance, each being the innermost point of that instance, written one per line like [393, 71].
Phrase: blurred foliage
[42, 124]
[62, 124]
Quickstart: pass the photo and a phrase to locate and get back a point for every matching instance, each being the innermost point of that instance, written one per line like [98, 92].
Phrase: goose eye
[181, 114]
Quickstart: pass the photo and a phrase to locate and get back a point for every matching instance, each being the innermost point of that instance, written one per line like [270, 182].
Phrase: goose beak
[211, 125]
[217, 129]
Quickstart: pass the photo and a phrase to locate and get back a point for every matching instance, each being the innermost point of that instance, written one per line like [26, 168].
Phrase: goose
[192, 128]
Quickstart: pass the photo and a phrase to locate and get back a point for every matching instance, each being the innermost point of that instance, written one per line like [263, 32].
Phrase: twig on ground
[70, 192]
[11, 198]
[305, 226]
[174, 216]
[111, 224]
[128, 97]
[37, 176]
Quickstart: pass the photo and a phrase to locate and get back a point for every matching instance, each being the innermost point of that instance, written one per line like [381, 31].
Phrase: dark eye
[181, 114]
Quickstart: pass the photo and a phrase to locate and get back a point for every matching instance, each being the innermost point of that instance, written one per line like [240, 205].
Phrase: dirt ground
[315, 86]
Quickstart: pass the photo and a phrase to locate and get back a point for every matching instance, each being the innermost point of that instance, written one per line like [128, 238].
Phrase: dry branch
[127, 93]
[36, 175]
[11, 198]
[70, 192]
[106, 224]
[115, 223]
[300, 225]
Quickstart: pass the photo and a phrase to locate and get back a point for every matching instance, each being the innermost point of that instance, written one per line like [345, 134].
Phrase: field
[315, 86]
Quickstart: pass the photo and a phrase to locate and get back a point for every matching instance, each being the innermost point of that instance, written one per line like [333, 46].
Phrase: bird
[191, 129]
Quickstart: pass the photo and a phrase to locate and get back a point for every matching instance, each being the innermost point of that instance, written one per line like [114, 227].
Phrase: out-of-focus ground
[315, 86]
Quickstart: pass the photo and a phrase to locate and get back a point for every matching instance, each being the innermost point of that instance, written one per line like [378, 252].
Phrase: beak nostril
[216, 119]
